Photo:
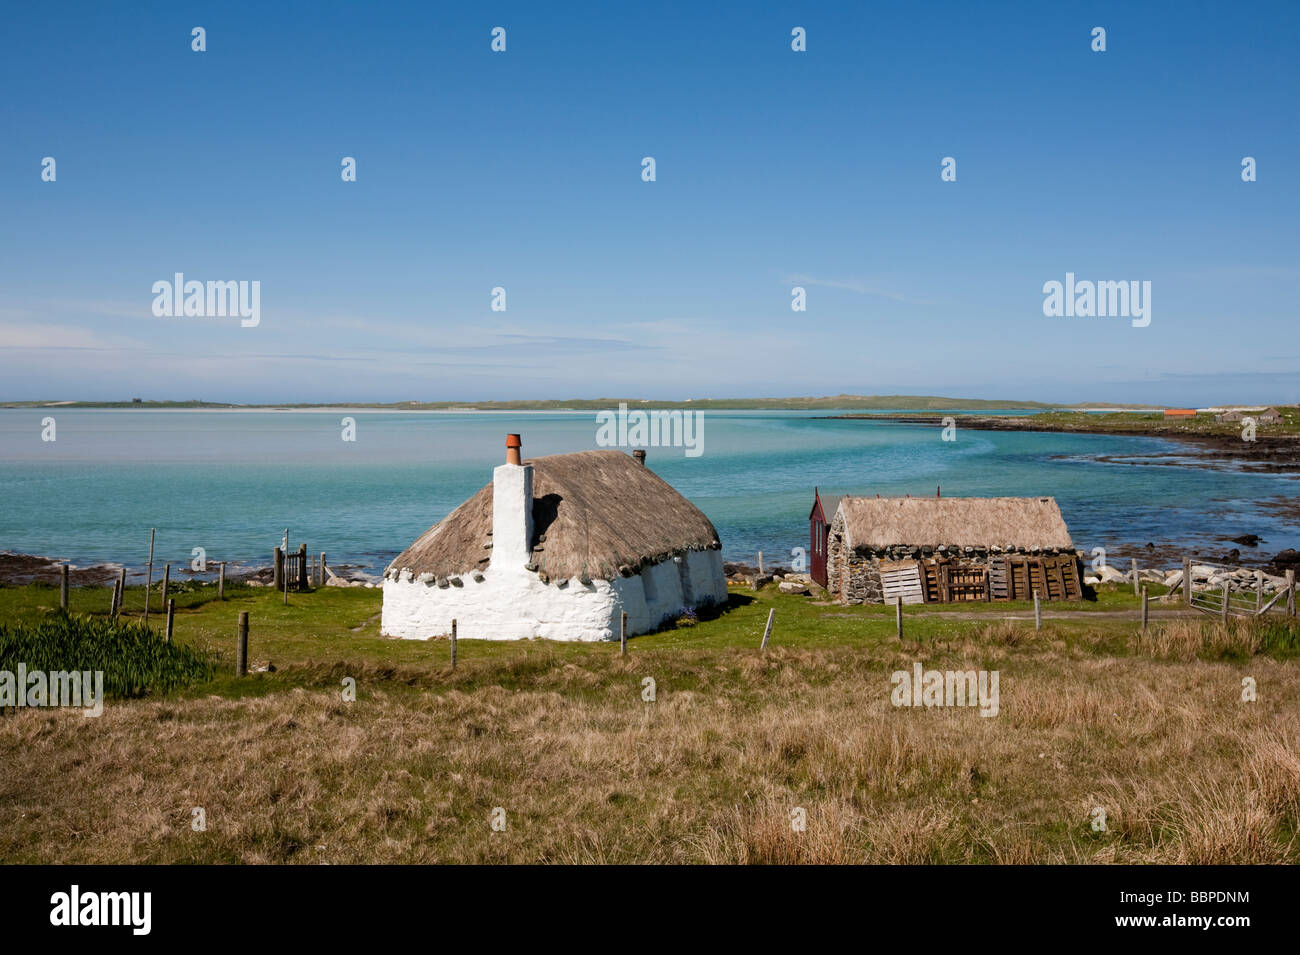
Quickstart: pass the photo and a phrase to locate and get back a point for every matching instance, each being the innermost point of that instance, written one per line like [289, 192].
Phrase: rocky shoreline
[20, 569]
[786, 580]
[17, 570]
[1268, 454]
[1204, 578]
[1219, 551]
[1273, 454]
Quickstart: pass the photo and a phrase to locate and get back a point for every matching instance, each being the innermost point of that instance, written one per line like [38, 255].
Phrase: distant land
[831, 402]
[1273, 447]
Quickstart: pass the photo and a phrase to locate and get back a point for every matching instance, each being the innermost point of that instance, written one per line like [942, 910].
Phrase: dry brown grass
[1189, 638]
[588, 772]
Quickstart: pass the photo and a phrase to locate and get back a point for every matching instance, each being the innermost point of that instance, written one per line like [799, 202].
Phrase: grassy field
[1158, 422]
[1151, 729]
[1132, 422]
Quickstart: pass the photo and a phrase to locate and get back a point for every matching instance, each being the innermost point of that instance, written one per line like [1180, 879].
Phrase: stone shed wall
[853, 576]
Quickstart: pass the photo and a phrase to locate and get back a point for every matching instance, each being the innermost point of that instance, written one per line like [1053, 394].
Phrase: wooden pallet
[1037, 578]
[902, 578]
[1020, 586]
[1070, 568]
[948, 582]
[1055, 578]
[967, 583]
[999, 579]
[1005, 578]
[933, 579]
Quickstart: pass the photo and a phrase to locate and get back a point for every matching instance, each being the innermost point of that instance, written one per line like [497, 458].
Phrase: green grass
[130, 655]
[307, 641]
[1279, 639]
[1127, 422]
[39, 597]
[1158, 422]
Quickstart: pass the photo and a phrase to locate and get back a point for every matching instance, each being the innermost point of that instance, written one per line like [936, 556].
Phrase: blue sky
[774, 168]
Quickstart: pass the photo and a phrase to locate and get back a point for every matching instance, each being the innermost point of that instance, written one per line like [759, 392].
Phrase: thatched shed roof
[982, 522]
[594, 512]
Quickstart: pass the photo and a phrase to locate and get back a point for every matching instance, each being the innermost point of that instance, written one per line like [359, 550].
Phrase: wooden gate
[1237, 598]
[291, 568]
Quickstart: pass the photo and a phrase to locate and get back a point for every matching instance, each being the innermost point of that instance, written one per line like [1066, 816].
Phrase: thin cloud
[45, 337]
[857, 287]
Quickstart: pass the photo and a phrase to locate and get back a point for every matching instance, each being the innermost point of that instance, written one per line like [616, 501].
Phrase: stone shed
[940, 550]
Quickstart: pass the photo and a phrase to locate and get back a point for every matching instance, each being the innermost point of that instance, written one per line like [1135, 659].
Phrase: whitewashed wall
[708, 581]
[510, 603]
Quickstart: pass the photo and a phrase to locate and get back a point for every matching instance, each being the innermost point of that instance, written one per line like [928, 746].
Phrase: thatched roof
[981, 522]
[594, 513]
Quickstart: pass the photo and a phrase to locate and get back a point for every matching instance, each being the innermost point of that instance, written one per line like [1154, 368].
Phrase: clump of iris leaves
[135, 660]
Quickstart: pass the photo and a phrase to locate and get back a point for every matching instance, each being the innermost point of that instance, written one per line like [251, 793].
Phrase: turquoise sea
[231, 482]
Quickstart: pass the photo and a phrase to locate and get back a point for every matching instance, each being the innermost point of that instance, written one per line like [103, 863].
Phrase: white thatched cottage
[937, 550]
[557, 547]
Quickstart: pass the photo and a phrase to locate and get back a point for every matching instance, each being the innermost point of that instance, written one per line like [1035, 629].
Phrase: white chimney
[512, 510]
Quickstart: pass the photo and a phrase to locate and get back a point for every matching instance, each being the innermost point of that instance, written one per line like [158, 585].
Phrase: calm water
[232, 481]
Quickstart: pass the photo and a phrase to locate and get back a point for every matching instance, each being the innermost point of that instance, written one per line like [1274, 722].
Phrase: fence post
[760, 561]
[1038, 613]
[1144, 609]
[1187, 581]
[898, 616]
[171, 617]
[322, 568]
[1290, 592]
[167, 579]
[1135, 576]
[622, 634]
[117, 599]
[453, 644]
[63, 587]
[148, 580]
[241, 649]
[767, 631]
[303, 583]
[277, 568]
[221, 581]
[1259, 590]
[1227, 586]
[121, 592]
